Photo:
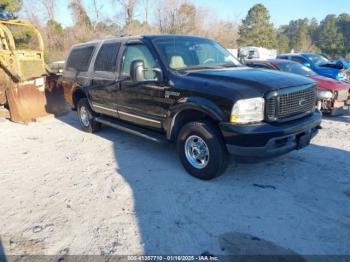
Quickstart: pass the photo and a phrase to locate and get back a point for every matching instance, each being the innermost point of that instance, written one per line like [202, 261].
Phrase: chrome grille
[290, 103]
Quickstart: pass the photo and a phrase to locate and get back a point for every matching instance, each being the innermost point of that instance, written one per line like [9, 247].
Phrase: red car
[334, 95]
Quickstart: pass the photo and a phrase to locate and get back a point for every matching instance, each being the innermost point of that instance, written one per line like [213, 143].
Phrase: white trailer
[256, 53]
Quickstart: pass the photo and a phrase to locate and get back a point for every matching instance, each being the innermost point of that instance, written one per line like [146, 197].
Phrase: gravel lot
[63, 191]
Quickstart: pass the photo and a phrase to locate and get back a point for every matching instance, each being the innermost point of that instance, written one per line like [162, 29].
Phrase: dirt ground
[63, 191]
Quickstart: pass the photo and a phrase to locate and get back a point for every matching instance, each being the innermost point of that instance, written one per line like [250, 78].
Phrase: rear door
[103, 89]
[76, 71]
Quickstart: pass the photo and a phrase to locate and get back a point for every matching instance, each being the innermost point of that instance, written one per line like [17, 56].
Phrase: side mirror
[137, 72]
[137, 69]
[307, 64]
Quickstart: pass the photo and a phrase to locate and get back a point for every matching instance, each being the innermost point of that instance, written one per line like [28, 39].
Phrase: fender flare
[200, 104]
[76, 88]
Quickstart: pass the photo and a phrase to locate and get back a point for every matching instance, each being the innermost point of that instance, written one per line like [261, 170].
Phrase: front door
[139, 102]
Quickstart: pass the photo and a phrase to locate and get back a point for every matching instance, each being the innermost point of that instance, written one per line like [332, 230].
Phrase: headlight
[324, 94]
[339, 76]
[247, 111]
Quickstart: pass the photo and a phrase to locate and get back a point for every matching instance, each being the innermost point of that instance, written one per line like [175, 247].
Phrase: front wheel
[86, 116]
[202, 150]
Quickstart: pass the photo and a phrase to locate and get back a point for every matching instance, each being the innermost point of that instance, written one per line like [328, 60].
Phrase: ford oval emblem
[302, 102]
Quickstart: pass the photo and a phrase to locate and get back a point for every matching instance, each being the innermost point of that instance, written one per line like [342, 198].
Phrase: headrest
[177, 62]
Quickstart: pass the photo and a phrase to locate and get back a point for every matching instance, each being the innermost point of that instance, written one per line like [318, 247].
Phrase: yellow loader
[28, 91]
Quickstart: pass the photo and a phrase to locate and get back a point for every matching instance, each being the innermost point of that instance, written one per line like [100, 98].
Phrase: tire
[86, 117]
[190, 139]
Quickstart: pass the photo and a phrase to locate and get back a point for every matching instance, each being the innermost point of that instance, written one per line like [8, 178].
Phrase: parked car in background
[333, 94]
[257, 53]
[191, 91]
[57, 67]
[319, 64]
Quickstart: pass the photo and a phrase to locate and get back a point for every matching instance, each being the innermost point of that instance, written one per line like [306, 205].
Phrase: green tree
[11, 5]
[283, 43]
[256, 29]
[297, 32]
[313, 30]
[300, 35]
[331, 40]
[343, 24]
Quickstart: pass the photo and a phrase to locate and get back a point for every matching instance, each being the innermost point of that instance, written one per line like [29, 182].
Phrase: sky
[281, 11]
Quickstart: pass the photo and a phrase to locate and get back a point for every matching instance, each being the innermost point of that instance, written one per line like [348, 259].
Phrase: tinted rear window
[298, 59]
[107, 57]
[79, 58]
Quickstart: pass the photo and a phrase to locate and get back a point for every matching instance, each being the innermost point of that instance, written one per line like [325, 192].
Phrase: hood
[248, 82]
[327, 71]
[336, 65]
[329, 83]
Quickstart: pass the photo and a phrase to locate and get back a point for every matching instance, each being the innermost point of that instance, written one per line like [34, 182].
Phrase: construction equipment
[27, 89]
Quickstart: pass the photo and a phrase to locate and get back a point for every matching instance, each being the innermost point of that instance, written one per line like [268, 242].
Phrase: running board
[132, 129]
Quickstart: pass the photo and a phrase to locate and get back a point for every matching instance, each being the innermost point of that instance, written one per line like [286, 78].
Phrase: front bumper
[267, 140]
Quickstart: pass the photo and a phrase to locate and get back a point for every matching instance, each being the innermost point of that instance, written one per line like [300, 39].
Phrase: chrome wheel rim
[84, 117]
[197, 152]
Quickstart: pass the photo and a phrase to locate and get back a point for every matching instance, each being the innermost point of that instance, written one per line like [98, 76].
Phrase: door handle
[118, 84]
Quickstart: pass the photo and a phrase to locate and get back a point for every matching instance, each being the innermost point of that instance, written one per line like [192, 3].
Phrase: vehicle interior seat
[177, 62]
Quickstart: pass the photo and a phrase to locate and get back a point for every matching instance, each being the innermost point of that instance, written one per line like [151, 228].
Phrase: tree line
[331, 36]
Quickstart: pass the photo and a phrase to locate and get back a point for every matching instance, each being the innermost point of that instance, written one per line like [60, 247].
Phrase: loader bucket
[28, 103]
[31, 92]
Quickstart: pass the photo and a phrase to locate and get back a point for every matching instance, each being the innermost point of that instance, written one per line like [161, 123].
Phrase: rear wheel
[202, 150]
[86, 116]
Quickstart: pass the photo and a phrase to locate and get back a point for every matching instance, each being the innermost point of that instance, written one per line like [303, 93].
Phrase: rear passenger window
[107, 57]
[298, 59]
[79, 58]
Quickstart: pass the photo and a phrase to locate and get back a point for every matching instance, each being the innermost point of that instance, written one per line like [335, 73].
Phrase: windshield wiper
[228, 65]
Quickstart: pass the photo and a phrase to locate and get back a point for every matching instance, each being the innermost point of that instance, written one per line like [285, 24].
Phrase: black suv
[192, 91]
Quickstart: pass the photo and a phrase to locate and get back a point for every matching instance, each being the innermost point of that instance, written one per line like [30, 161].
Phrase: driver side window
[138, 52]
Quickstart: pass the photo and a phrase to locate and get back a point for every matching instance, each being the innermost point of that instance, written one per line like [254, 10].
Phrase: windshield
[318, 59]
[296, 68]
[190, 53]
